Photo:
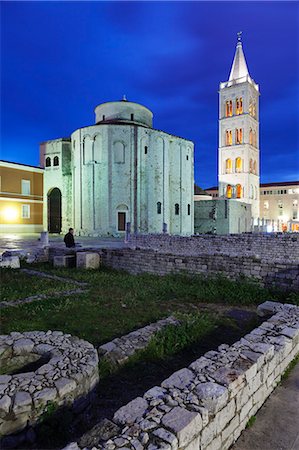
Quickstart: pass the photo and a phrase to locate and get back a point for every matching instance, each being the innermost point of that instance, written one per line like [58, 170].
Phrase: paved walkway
[29, 242]
[277, 422]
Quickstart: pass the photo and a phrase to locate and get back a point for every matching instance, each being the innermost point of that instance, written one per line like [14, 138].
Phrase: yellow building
[21, 198]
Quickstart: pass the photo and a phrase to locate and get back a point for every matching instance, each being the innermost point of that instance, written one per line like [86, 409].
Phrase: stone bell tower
[238, 163]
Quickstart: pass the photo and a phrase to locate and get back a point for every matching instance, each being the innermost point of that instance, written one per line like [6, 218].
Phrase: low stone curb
[69, 375]
[33, 298]
[120, 349]
[54, 277]
[207, 405]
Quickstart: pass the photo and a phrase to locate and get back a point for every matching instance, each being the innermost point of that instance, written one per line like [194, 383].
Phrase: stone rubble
[69, 375]
[207, 405]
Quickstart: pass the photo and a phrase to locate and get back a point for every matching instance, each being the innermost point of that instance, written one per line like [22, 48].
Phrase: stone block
[88, 260]
[215, 444]
[212, 396]
[65, 386]
[166, 436]
[186, 425]
[245, 410]
[129, 413]
[5, 403]
[225, 415]
[12, 262]
[14, 426]
[23, 346]
[181, 379]
[208, 433]
[64, 261]
[44, 396]
[194, 445]
[22, 402]
[230, 428]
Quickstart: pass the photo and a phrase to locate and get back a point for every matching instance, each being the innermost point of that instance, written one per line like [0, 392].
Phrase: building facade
[238, 152]
[119, 174]
[21, 198]
[279, 205]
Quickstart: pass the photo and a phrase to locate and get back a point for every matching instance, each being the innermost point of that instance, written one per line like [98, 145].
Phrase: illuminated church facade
[119, 174]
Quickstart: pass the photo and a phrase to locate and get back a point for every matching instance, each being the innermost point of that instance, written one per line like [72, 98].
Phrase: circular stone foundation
[70, 373]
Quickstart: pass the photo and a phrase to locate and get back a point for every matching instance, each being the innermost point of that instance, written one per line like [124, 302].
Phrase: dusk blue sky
[61, 59]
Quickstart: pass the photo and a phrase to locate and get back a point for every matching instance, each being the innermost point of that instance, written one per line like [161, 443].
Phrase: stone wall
[207, 405]
[69, 373]
[269, 246]
[282, 275]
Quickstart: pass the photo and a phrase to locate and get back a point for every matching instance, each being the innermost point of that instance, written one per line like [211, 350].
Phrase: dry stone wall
[207, 405]
[70, 373]
[282, 275]
[267, 247]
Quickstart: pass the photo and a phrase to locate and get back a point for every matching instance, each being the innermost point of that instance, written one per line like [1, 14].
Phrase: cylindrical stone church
[117, 172]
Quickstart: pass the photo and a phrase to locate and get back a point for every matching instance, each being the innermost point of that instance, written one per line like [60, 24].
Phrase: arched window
[228, 166]
[177, 209]
[239, 191]
[56, 161]
[250, 137]
[228, 137]
[159, 207]
[189, 209]
[239, 135]
[239, 105]
[238, 165]
[254, 167]
[254, 139]
[250, 166]
[48, 162]
[228, 108]
[229, 191]
[251, 191]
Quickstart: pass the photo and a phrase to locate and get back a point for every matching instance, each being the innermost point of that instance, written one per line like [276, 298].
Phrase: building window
[266, 204]
[229, 191]
[145, 150]
[239, 135]
[295, 203]
[189, 209]
[251, 192]
[187, 157]
[25, 187]
[48, 162]
[252, 108]
[228, 137]
[250, 166]
[25, 214]
[177, 209]
[228, 108]
[239, 105]
[103, 118]
[280, 207]
[254, 168]
[250, 137]
[56, 161]
[159, 207]
[238, 165]
[254, 141]
[239, 191]
[132, 116]
[228, 166]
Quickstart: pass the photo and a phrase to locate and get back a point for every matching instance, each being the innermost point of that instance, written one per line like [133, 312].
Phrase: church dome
[123, 112]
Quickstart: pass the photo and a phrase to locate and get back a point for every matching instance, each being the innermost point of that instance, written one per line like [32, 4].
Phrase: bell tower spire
[238, 170]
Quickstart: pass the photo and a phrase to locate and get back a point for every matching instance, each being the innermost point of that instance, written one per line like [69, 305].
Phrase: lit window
[239, 135]
[228, 137]
[177, 209]
[250, 166]
[254, 167]
[239, 191]
[26, 187]
[266, 204]
[48, 162]
[254, 141]
[189, 209]
[250, 137]
[228, 108]
[56, 161]
[239, 105]
[229, 191]
[228, 166]
[159, 207]
[238, 165]
[25, 214]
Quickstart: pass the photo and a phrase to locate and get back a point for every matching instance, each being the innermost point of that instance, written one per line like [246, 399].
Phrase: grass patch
[16, 285]
[251, 421]
[116, 303]
[169, 341]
